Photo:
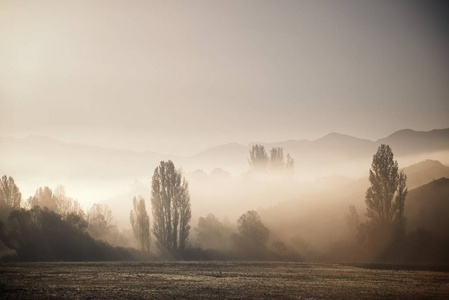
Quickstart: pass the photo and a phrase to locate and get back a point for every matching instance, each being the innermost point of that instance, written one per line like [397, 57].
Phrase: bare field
[218, 280]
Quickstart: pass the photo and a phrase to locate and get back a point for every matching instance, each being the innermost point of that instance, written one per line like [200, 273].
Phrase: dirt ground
[219, 280]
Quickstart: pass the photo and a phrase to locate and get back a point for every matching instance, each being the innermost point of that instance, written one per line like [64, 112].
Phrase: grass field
[219, 280]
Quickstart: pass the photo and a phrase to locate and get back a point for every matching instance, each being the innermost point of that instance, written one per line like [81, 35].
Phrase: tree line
[259, 161]
[171, 215]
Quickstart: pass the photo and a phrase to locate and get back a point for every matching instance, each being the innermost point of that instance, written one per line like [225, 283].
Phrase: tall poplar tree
[385, 198]
[170, 202]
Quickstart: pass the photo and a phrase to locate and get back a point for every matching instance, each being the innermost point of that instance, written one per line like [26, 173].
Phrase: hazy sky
[181, 76]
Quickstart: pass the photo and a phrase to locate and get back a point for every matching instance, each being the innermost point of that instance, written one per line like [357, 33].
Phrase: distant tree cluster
[259, 160]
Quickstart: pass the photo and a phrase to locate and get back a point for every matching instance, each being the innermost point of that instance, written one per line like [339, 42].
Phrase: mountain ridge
[335, 151]
[332, 136]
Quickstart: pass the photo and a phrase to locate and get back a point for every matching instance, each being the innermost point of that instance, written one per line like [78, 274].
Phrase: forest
[51, 226]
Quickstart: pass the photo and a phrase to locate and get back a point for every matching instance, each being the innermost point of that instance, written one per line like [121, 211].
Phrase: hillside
[427, 207]
[425, 172]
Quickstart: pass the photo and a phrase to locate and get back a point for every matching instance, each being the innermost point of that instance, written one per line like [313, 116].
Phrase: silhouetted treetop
[170, 201]
[10, 196]
[251, 227]
[382, 206]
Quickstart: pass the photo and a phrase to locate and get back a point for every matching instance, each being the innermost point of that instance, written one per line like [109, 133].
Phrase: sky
[181, 76]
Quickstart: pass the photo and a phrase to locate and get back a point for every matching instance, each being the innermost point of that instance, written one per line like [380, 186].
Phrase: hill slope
[427, 207]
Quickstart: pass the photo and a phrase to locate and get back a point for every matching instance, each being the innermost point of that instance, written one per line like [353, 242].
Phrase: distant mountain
[425, 172]
[229, 156]
[408, 141]
[335, 149]
[427, 207]
[36, 156]
[333, 154]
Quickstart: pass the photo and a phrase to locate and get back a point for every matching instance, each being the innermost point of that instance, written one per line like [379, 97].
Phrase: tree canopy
[259, 160]
[385, 201]
[140, 222]
[170, 201]
[385, 197]
[10, 196]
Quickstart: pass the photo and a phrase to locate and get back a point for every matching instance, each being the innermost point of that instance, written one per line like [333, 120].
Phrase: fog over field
[307, 205]
[224, 133]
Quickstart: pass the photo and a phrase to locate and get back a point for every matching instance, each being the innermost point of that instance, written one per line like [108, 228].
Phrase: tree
[212, 233]
[352, 219]
[258, 158]
[290, 164]
[400, 203]
[140, 222]
[44, 197]
[66, 205]
[385, 198]
[10, 196]
[170, 201]
[42, 235]
[277, 158]
[56, 201]
[252, 237]
[250, 227]
[100, 220]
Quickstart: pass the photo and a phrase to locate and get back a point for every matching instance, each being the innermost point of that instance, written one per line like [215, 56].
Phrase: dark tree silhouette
[252, 237]
[10, 196]
[250, 227]
[170, 202]
[382, 206]
[400, 203]
[42, 235]
[385, 200]
[258, 158]
[78, 221]
[140, 222]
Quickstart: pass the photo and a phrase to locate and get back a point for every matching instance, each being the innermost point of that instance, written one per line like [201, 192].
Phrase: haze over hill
[296, 130]
[428, 208]
[93, 174]
[33, 154]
